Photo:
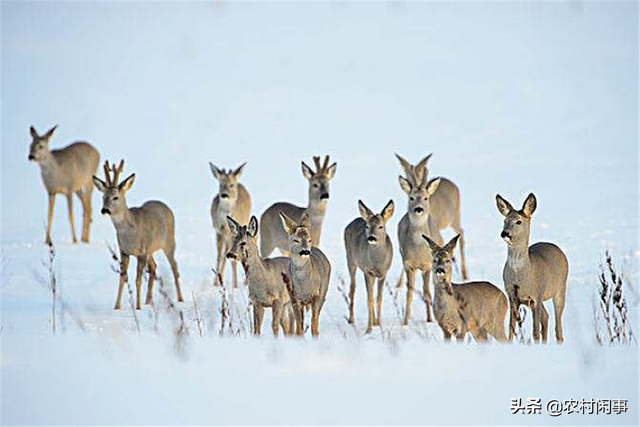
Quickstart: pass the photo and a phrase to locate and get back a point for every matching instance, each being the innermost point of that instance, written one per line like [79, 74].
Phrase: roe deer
[369, 248]
[532, 274]
[140, 231]
[272, 233]
[476, 307]
[444, 206]
[413, 248]
[232, 200]
[308, 274]
[66, 171]
[264, 278]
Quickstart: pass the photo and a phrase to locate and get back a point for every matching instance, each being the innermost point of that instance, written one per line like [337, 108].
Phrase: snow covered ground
[510, 97]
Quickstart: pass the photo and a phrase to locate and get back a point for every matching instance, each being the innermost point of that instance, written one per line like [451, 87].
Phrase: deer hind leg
[378, 313]
[85, 198]
[536, 308]
[427, 293]
[276, 317]
[169, 253]
[411, 276]
[544, 322]
[71, 222]
[258, 315]
[124, 266]
[234, 273]
[558, 308]
[287, 319]
[461, 243]
[152, 277]
[514, 305]
[52, 203]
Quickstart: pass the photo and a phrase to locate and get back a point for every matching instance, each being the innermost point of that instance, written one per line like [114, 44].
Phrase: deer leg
[234, 272]
[378, 313]
[299, 319]
[124, 266]
[544, 321]
[70, 208]
[169, 253]
[369, 281]
[152, 276]
[427, 293]
[142, 263]
[315, 317]
[85, 198]
[537, 313]
[222, 247]
[258, 315]
[276, 315]
[411, 276]
[52, 202]
[558, 308]
[514, 305]
[447, 335]
[461, 243]
[352, 290]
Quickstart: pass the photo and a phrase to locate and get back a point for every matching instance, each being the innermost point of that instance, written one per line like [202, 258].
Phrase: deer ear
[331, 171]
[432, 245]
[305, 221]
[288, 224]
[239, 170]
[252, 228]
[214, 169]
[307, 171]
[387, 212]
[504, 207]
[405, 164]
[529, 206]
[405, 184]
[33, 132]
[234, 226]
[365, 212]
[127, 183]
[423, 163]
[450, 247]
[100, 184]
[433, 186]
[49, 132]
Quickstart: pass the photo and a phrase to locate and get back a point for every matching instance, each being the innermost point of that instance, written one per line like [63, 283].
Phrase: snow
[510, 97]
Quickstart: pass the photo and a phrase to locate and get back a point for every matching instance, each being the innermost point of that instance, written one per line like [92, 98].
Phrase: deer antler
[326, 163]
[107, 176]
[316, 160]
[116, 171]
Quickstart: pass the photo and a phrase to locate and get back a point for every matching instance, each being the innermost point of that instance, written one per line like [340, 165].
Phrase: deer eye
[116, 198]
[519, 222]
[316, 185]
[412, 198]
[242, 244]
[296, 240]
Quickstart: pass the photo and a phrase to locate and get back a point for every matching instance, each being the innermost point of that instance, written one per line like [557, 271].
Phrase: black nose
[231, 255]
[31, 157]
[504, 234]
[324, 196]
[224, 195]
[372, 239]
[440, 270]
[105, 211]
[305, 252]
[418, 210]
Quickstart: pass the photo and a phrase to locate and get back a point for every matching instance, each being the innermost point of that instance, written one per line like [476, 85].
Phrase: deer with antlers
[141, 231]
[272, 232]
[444, 206]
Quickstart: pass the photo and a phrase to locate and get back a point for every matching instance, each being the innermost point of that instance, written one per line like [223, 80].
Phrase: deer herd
[298, 281]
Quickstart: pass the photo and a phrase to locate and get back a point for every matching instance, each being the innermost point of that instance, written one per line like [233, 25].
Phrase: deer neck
[253, 264]
[124, 220]
[48, 163]
[518, 256]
